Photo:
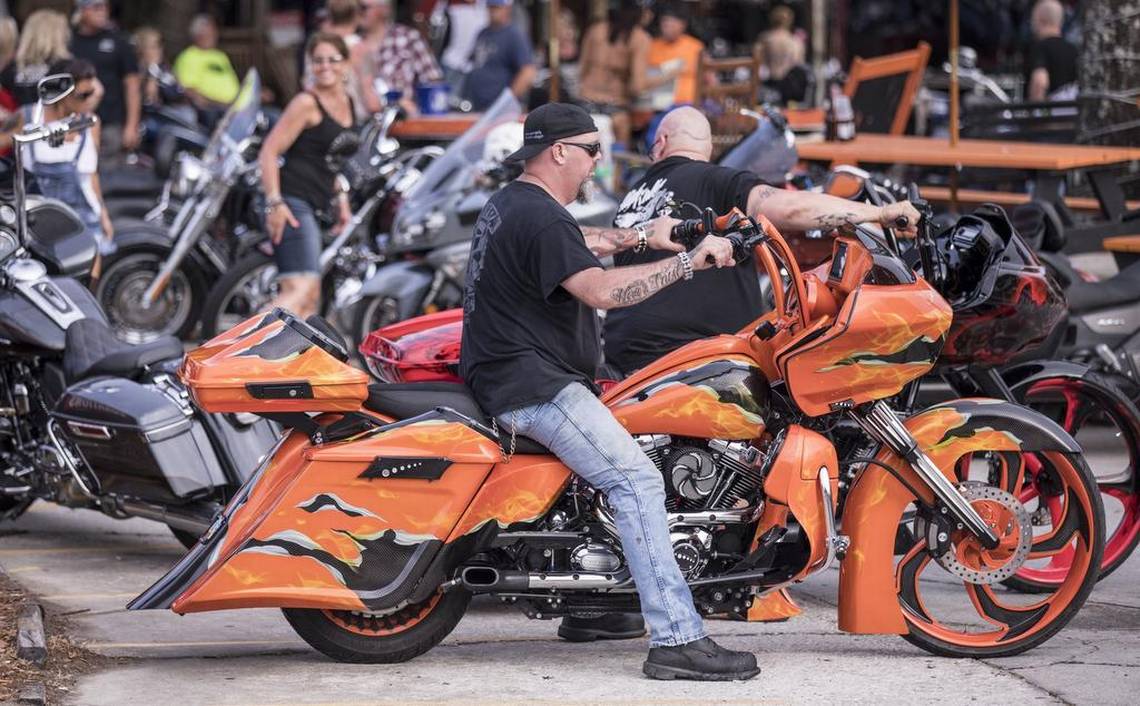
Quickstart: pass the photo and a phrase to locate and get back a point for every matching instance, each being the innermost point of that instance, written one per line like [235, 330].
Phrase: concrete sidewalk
[89, 566]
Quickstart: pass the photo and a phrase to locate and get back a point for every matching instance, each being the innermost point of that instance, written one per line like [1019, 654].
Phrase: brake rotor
[963, 555]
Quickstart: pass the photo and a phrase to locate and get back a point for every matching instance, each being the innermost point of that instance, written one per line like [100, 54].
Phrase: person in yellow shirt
[676, 52]
[204, 70]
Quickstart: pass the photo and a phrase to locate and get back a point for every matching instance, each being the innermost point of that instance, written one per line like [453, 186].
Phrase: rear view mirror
[54, 88]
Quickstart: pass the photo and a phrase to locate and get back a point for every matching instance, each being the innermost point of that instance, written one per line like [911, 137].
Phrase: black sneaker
[700, 660]
[609, 626]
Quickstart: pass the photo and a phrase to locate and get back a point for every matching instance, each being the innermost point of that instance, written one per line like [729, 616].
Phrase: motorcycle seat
[1120, 289]
[90, 348]
[407, 399]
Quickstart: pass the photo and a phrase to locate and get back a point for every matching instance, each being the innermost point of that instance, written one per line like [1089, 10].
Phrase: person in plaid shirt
[394, 53]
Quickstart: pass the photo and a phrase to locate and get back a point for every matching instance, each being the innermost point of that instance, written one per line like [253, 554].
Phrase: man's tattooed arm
[637, 290]
[607, 241]
[829, 221]
[623, 286]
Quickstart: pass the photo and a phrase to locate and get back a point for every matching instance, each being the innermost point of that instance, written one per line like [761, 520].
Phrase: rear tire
[347, 636]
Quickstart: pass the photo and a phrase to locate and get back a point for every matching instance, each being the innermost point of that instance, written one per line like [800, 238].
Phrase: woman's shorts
[299, 252]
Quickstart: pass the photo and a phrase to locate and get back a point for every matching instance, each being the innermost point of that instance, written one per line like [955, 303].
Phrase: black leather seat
[404, 400]
[90, 349]
[1119, 290]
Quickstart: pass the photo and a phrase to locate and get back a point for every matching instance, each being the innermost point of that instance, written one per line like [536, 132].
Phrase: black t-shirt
[714, 301]
[23, 83]
[1058, 57]
[113, 58]
[524, 336]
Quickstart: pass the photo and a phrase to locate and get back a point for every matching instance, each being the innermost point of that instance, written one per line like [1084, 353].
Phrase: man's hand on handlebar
[660, 232]
[902, 217]
[713, 251]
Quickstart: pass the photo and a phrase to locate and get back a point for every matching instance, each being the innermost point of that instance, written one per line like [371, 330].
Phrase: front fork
[193, 225]
[880, 421]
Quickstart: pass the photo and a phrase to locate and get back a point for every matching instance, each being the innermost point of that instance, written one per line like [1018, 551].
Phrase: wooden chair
[728, 125]
[882, 89]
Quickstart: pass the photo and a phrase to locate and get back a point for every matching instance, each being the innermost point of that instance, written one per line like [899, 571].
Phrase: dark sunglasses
[593, 149]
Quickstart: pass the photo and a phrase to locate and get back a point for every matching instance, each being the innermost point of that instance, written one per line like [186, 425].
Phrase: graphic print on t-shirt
[489, 222]
[643, 204]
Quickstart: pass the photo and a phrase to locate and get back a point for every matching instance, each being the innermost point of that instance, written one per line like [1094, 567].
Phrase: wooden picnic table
[434, 127]
[937, 152]
[1047, 164]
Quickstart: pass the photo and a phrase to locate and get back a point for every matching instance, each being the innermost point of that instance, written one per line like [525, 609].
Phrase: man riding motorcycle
[530, 352]
[716, 301]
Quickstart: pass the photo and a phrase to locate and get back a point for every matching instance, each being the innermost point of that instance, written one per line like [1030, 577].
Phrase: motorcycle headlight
[186, 175]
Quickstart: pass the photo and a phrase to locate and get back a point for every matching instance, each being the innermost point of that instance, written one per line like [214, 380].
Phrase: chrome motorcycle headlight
[7, 215]
[186, 175]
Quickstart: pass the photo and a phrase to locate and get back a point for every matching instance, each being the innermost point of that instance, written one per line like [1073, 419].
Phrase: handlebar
[56, 130]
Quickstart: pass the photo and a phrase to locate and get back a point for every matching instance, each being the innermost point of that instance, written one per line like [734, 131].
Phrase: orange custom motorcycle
[385, 507]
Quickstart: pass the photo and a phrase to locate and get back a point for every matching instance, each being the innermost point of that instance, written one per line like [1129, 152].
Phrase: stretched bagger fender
[386, 507]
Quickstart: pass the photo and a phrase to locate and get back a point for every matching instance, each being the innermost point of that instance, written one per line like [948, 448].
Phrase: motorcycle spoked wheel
[120, 288]
[372, 314]
[985, 622]
[1090, 409]
[245, 289]
[349, 636]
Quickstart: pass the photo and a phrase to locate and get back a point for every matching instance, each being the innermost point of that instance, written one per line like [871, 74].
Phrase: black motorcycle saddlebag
[138, 441]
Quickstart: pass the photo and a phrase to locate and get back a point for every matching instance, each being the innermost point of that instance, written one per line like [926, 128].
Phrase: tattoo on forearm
[763, 192]
[642, 288]
[607, 241]
[834, 220]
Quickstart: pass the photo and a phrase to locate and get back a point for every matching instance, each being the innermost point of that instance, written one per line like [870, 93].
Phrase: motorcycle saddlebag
[273, 363]
[138, 441]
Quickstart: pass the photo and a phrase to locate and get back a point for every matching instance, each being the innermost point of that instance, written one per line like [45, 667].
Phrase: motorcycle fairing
[882, 338]
[875, 505]
[792, 489]
[324, 527]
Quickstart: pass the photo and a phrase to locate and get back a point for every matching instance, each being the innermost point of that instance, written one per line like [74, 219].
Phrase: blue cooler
[433, 98]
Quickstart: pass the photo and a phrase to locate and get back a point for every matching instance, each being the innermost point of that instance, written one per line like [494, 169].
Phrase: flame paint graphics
[270, 353]
[1023, 308]
[890, 338]
[721, 399]
[521, 491]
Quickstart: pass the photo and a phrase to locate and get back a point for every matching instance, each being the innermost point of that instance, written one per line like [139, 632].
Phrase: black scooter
[86, 420]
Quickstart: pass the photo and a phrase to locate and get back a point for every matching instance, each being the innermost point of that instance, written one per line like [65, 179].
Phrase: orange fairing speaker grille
[883, 337]
[273, 363]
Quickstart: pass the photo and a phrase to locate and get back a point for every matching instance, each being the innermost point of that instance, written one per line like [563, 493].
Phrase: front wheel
[126, 276]
[380, 638]
[245, 289]
[949, 585]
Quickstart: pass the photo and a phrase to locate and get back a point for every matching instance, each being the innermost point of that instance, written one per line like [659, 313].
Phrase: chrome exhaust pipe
[178, 519]
[486, 579]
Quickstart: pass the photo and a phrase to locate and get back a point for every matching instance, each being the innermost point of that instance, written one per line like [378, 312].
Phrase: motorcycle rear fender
[362, 525]
[407, 282]
[875, 505]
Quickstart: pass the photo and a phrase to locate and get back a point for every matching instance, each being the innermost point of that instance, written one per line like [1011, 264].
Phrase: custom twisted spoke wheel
[949, 585]
[380, 638]
[1107, 426]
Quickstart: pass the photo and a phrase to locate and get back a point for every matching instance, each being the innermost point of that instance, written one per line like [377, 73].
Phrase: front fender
[1023, 375]
[875, 505]
[407, 282]
[143, 235]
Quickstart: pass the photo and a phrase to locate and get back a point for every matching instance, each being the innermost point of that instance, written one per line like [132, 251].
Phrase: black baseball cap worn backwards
[548, 124]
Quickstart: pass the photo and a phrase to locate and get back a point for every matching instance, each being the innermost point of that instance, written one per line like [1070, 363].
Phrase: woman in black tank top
[305, 183]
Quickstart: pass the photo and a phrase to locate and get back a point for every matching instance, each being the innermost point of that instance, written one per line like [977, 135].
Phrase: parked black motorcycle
[157, 280]
[85, 419]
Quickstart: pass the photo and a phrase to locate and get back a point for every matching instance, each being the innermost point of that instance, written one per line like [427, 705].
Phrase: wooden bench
[941, 194]
[1123, 244]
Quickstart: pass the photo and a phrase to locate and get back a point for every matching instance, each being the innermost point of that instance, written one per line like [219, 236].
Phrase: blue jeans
[579, 429]
[299, 252]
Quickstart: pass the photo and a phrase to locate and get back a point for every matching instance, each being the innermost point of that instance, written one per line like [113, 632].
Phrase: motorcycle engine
[713, 475]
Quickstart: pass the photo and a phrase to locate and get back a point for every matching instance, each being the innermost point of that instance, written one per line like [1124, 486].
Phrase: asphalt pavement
[88, 566]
